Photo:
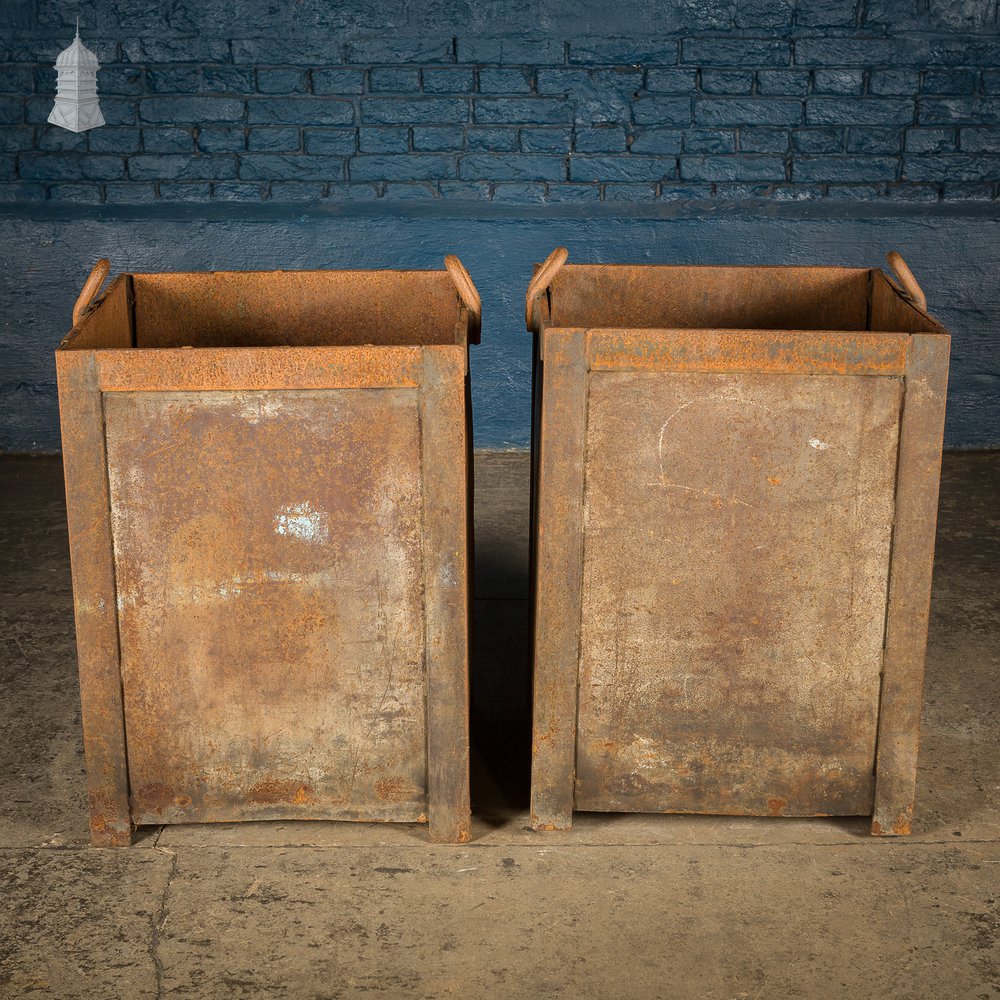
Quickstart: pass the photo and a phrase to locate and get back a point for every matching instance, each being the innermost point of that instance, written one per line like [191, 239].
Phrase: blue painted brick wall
[517, 102]
[341, 133]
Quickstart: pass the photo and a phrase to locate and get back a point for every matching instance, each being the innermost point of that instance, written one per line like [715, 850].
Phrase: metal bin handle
[467, 293]
[541, 281]
[90, 289]
[911, 289]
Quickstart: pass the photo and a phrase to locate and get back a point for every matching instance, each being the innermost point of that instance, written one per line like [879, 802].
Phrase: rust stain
[157, 795]
[776, 806]
[389, 789]
[271, 791]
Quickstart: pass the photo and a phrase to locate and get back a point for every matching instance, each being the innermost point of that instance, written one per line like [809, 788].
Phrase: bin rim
[468, 296]
[899, 276]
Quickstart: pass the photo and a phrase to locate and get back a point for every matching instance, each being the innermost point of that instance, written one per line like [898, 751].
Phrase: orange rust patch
[774, 480]
[271, 791]
[154, 797]
[776, 806]
[390, 789]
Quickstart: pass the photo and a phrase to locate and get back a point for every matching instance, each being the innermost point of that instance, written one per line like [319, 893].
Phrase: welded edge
[910, 570]
[88, 510]
[558, 579]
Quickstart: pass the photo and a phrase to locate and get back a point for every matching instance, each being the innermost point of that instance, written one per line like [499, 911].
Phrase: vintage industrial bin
[734, 500]
[267, 480]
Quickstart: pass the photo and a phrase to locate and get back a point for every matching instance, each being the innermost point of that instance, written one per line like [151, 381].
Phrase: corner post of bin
[539, 286]
[447, 569]
[95, 603]
[468, 296]
[558, 578]
[911, 564]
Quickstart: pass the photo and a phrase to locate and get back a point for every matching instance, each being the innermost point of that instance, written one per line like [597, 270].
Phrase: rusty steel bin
[267, 478]
[735, 485]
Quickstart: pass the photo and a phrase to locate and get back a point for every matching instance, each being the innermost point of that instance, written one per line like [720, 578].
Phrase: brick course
[751, 99]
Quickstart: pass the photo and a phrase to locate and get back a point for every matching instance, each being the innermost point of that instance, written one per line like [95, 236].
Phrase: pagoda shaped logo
[76, 106]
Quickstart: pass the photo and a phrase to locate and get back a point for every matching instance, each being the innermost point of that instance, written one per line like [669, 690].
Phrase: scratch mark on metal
[666, 484]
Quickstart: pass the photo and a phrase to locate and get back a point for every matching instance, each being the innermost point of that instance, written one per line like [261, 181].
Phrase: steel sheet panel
[269, 570]
[737, 531]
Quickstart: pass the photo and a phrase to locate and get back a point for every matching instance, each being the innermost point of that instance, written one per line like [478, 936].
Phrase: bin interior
[277, 309]
[742, 298]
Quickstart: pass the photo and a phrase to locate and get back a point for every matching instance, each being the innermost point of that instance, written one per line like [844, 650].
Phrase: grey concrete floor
[621, 907]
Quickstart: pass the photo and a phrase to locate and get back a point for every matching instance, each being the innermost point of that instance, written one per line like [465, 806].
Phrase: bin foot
[898, 825]
[545, 824]
[103, 835]
[451, 831]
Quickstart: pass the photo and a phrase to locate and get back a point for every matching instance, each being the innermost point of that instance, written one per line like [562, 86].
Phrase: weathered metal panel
[109, 323]
[295, 308]
[737, 537]
[766, 298]
[270, 594]
[892, 311]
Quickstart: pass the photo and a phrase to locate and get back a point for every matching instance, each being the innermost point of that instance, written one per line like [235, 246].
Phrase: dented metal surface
[728, 511]
[254, 516]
